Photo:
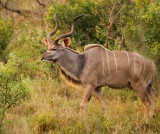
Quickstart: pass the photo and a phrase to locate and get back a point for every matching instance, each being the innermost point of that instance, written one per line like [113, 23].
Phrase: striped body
[116, 69]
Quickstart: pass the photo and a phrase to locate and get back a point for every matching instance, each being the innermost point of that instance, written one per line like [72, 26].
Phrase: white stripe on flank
[143, 63]
[48, 51]
[134, 62]
[108, 63]
[115, 61]
[139, 60]
[127, 57]
[102, 61]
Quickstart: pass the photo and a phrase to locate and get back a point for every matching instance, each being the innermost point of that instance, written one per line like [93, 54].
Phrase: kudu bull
[98, 67]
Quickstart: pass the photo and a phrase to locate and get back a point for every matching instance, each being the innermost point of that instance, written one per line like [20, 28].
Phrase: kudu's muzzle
[42, 59]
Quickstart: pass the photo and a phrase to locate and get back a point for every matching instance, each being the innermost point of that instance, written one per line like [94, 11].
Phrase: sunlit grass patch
[51, 111]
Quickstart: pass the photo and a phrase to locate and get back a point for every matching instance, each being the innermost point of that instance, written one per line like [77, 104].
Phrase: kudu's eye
[54, 49]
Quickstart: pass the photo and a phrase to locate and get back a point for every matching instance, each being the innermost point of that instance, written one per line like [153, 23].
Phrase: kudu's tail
[150, 84]
[152, 78]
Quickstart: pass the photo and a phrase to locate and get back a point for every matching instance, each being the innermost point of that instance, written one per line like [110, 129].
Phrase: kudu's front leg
[147, 97]
[86, 97]
[151, 94]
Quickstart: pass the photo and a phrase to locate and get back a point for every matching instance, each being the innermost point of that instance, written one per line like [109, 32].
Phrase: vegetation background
[34, 99]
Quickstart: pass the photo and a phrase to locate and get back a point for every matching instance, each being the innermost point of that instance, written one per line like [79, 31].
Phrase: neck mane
[73, 50]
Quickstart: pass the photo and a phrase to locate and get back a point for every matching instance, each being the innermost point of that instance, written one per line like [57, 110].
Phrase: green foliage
[89, 29]
[13, 87]
[142, 28]
[6, 32]
[28, 47]
[151, 22]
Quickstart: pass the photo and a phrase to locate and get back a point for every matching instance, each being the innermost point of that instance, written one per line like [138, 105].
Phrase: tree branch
[41, 3]
[111, 20]
[121, 30]
[8, 8]
[6, 3]
[91, 34]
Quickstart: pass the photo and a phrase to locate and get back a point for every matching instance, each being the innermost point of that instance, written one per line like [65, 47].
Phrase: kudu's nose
[42, 59]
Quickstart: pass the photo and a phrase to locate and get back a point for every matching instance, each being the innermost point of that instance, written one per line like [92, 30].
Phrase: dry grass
[53, 108]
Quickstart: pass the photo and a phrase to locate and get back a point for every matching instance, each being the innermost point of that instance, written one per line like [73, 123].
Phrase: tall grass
[54, 108]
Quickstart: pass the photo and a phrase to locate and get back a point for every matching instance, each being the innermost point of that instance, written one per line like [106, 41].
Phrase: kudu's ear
[66, 42]
[46, 42]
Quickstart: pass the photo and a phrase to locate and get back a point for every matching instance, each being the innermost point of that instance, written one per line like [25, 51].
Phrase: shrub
[13, 87]
[6, 32]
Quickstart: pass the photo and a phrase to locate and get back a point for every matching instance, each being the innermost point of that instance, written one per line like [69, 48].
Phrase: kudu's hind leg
[99, 95]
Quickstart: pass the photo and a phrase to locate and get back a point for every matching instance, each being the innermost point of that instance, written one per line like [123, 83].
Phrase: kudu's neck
[71, 64]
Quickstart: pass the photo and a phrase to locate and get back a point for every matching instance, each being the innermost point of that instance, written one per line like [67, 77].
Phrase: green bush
[151, 21]
[13, 87]
[89, 29]
[142, 28]
[6, 32]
